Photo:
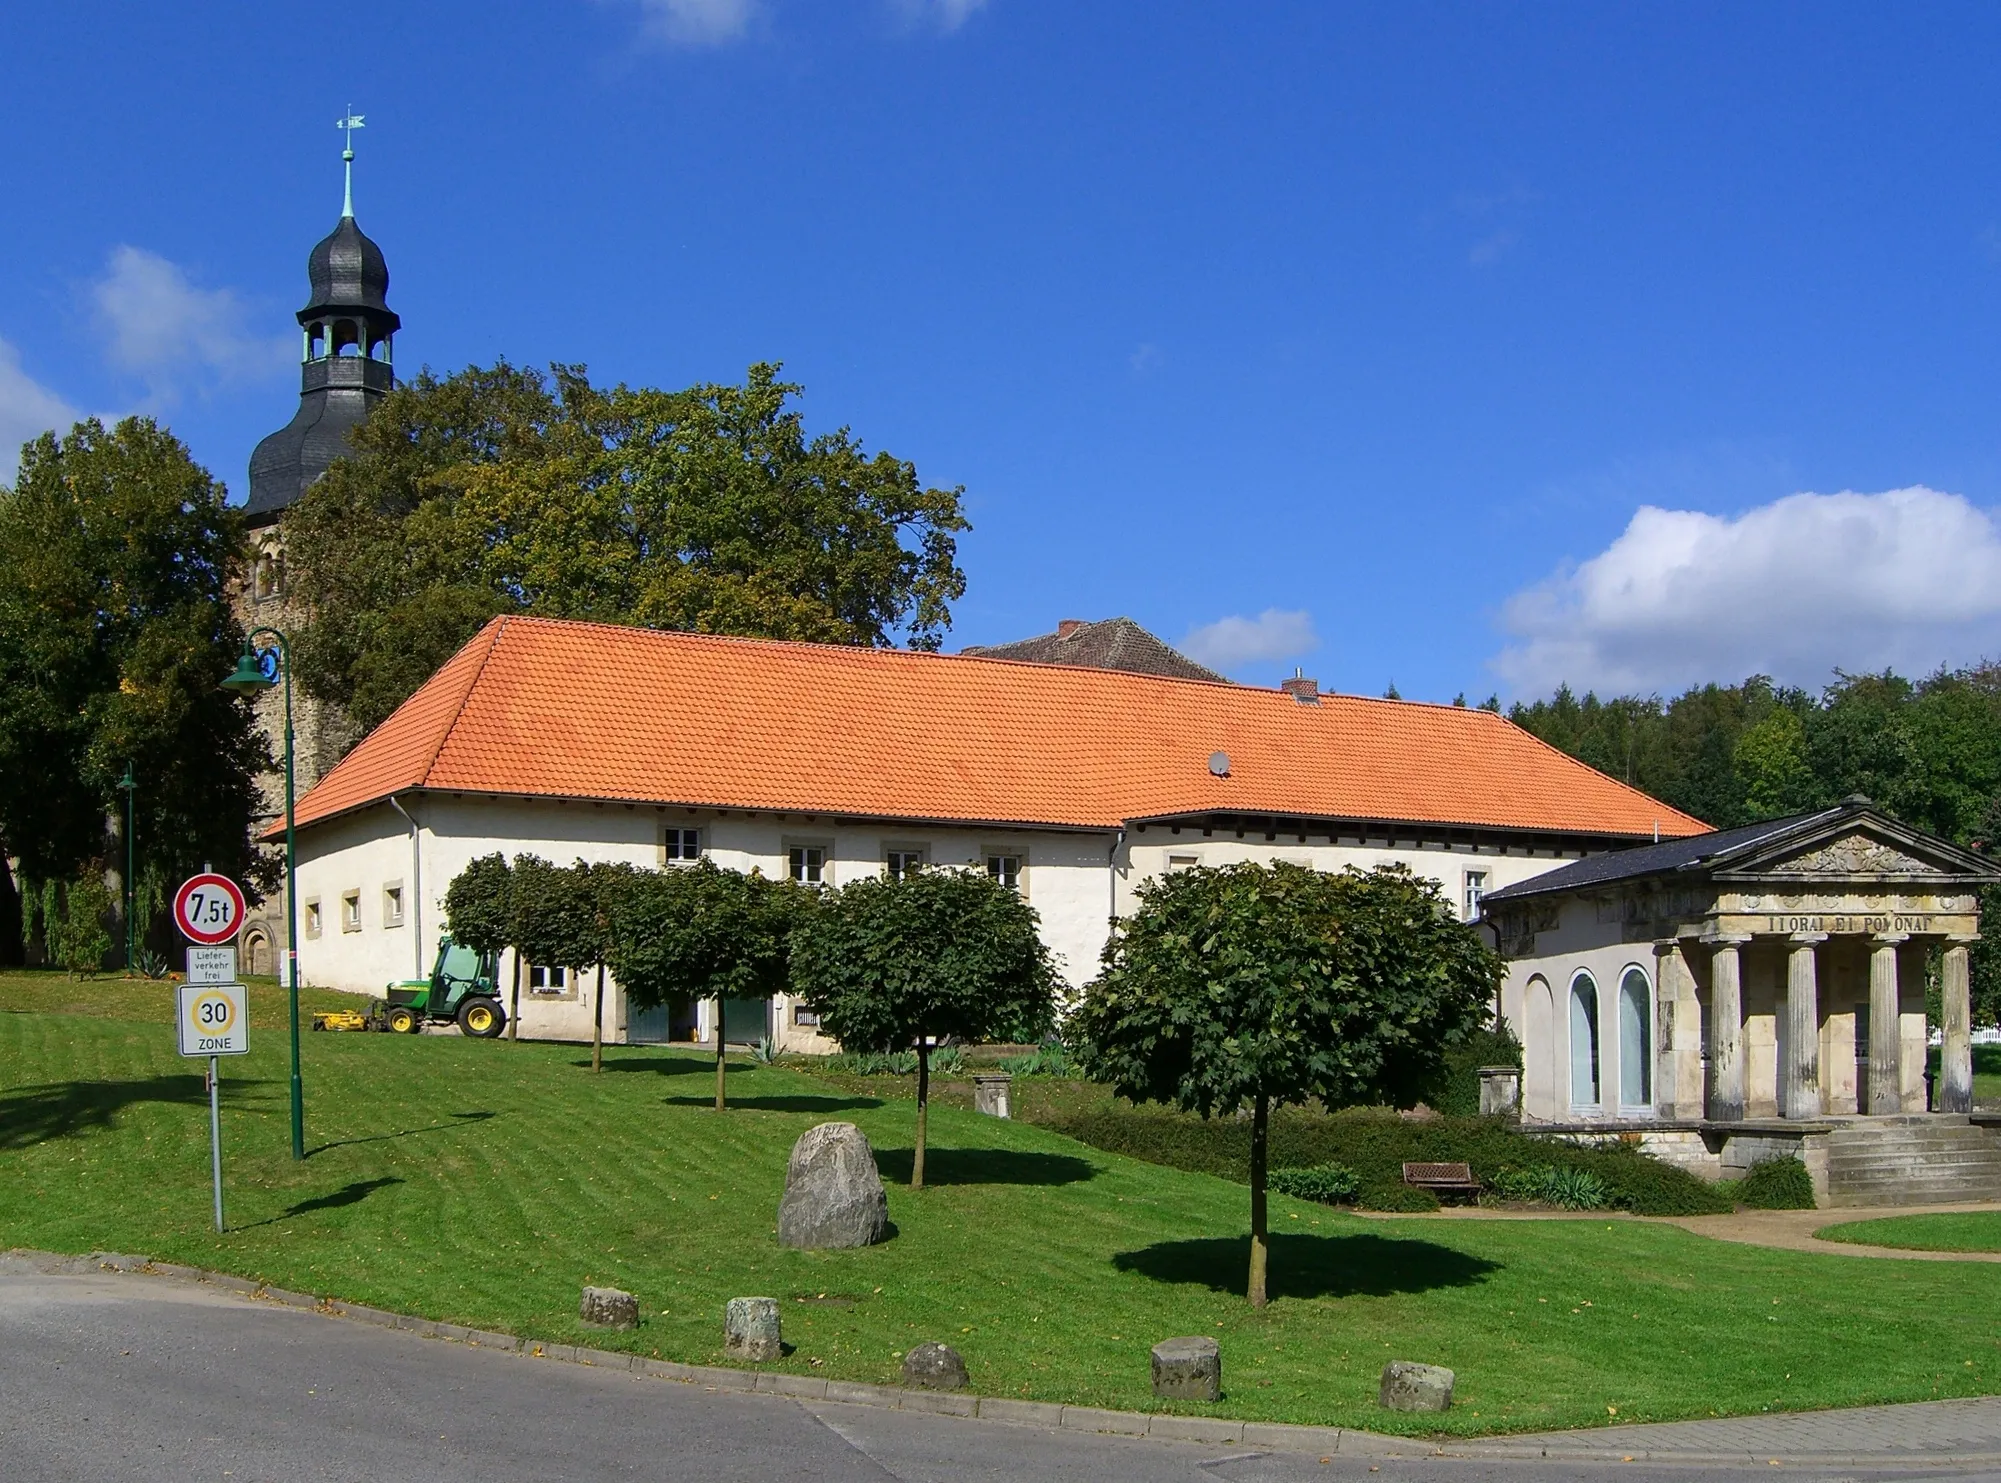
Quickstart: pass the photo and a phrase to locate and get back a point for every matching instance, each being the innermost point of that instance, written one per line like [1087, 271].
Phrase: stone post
[1726, 1031]
[1799, 1077]
[1955, 1069]
[1885, 1094]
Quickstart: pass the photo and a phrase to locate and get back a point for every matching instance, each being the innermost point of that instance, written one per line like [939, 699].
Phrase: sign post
[212, 1012]
[213, 1020]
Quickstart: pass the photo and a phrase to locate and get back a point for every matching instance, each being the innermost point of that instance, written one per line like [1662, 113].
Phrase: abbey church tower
[347, 333]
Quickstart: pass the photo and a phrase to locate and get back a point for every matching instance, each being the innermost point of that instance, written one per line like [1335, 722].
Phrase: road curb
[999, 1410]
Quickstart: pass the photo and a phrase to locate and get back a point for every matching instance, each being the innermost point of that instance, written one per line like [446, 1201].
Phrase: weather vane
[348, 123]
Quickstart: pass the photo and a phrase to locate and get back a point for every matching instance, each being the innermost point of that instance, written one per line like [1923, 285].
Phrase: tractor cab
[460, 988]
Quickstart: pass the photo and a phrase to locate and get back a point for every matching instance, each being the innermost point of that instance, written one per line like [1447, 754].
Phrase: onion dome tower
[347, 328]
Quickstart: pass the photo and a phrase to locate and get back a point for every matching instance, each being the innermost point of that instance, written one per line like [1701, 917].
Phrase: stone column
[1677, 1035]
[1955, 1069]
[1726, 1031]
[1884, 1096]
[1799, 1076]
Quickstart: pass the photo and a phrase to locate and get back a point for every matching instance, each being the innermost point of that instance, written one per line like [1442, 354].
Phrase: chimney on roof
[1300, 688]
[1068, 626]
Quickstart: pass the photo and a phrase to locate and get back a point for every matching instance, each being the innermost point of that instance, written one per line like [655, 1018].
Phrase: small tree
[1253, 986]
[890, 963]
[564, 917]
[701, 932]
[479, 912]
[72, 922]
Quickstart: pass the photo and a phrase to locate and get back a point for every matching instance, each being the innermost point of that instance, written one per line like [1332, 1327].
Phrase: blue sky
[1472, 347]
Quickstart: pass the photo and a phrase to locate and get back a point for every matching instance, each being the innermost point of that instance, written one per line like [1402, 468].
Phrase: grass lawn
[483, 1183]
[1978, 1230]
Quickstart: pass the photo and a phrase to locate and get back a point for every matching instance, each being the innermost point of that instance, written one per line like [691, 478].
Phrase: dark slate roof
[289, 460]
[1115, 643]
[1658, 859]
[347, 271]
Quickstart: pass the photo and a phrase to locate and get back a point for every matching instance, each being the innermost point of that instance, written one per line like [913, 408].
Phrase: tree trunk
[923, 1111]
[114, 879]
[597, 1024]
[719, 1052]
[514, 1003]
[13, 950]
[1260, 1243]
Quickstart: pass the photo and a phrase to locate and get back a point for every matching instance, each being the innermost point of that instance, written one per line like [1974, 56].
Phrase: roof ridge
[495, 627]
[1637, 792]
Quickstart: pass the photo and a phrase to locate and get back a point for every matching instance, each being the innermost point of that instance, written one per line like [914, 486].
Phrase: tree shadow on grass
[983, 1166]
[351, 1194]
[780, 1104]
[659, 1065]
[463, 1119]
[1304, 1266]
[36, 1114]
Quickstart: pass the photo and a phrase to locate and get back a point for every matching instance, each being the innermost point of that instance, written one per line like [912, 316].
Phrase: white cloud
[159, 325]
[1145, 358]
[1230, 642]
[939, 15]
[697, 22]
[27, 410]
[1794, 589]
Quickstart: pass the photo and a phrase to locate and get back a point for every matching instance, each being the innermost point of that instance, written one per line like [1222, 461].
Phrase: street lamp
[129, 786]
[250, 678]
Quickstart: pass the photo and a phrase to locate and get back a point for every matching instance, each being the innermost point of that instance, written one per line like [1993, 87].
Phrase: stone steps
[1912, 1161]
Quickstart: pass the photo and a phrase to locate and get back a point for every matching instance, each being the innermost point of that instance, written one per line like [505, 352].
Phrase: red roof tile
[581, 710]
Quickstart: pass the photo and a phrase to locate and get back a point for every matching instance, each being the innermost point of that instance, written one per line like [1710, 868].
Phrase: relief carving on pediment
[1855, 854]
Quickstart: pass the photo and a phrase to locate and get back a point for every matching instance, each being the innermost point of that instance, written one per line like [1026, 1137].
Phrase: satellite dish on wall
[1219, 764]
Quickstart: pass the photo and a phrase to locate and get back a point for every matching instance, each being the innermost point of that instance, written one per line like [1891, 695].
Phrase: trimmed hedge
[1777, 1184]
[1329, 1184]
[1376, 1145]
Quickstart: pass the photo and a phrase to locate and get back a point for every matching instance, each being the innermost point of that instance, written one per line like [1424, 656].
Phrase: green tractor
[459, 989]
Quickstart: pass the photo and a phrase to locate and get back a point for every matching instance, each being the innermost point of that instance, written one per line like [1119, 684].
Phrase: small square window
[680, 844]
[904, 862]
[313, 918]
[1476, 890]
[1006, 869]
[806, 1019]
[1181, 862]
[548, 983]
[350, 911]
[392, 904]
[807, 864]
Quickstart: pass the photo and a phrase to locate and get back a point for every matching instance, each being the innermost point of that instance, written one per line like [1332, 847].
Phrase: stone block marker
[991, 1091]
[608, 1308]
[1188, 1369]
[1414, 1387]
[833, 1194]
[935, 1367]
[750, 1329]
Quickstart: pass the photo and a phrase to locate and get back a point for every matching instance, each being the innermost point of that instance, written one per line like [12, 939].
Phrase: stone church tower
[347, 331]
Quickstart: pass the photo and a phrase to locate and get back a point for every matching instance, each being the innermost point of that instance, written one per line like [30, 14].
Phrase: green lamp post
[249, 678]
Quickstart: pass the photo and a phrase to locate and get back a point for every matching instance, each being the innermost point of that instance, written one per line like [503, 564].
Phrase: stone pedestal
[992, 1091]
[1799, 1077]
[1500, 1091]
[1189, 1369]
[750, 1330]
[1726, 1031]
[1413, 1387]
[608, 1308]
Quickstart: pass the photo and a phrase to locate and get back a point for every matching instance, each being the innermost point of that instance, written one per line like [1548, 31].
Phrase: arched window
[1636, 1041]
[1583, 1041]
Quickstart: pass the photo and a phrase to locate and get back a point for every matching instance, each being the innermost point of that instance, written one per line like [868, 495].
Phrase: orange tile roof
[535, 706]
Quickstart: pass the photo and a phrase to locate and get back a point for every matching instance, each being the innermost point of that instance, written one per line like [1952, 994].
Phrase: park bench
[1442, 1179]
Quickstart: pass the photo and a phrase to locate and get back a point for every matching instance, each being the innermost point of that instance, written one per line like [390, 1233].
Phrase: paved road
[107, 1377]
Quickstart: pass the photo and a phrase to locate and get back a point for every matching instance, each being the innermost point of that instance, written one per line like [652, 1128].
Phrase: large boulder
[833, 1194]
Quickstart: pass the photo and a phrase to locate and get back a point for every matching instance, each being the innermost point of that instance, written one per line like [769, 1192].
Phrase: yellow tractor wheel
[403, 1020]
[481, 1018]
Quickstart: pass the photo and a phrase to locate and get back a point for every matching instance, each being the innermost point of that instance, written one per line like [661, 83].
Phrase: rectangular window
[805, 1018]
[350, 911]
[807, 864]
[1181, 862]
[313, 918]
[904, 862]
[1006, 869]
[392, 904]
[1476, 888]
[680, 844]
[549, 983]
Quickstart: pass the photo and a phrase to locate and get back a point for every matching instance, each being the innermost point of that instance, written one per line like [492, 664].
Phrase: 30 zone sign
[208, 908]
[212, 1020]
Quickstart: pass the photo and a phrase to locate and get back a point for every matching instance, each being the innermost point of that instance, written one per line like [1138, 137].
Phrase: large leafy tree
[501, 490]
[1249, 987]
[896, 963]
[115, 631]
[701, 932]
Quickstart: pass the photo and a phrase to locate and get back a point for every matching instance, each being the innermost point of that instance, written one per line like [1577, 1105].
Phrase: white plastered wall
[1578, 944]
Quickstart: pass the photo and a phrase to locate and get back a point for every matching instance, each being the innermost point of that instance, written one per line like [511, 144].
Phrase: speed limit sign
[213, 1020]
[208, 908]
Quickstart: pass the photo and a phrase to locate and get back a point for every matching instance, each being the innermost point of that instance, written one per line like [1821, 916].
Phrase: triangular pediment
[1855, 845]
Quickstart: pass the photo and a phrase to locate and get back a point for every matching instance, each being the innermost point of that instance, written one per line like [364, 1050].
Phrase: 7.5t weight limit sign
[208, 908]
